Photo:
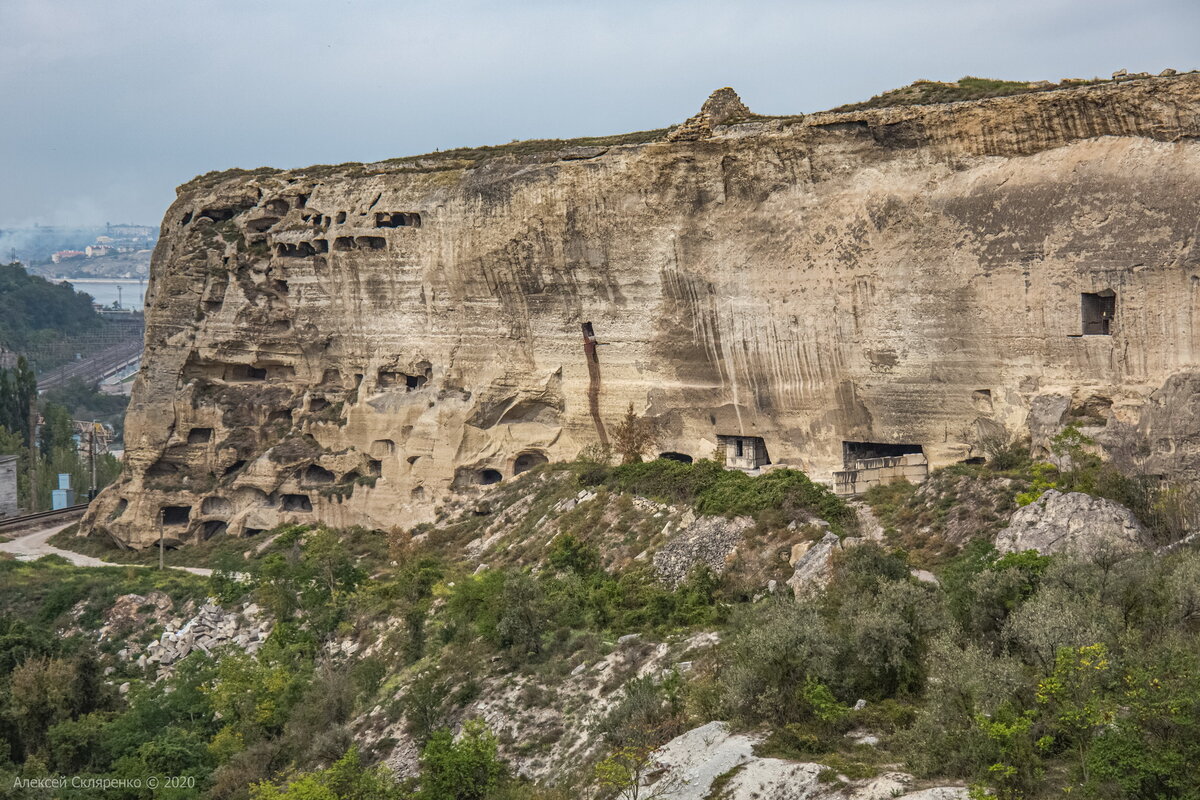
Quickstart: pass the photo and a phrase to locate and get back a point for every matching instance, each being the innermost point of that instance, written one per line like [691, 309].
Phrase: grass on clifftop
[921, 93]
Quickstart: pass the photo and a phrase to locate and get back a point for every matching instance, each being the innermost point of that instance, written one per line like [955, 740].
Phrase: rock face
[687, 767]
[701, 540]
[1073, 523]
[353, 344]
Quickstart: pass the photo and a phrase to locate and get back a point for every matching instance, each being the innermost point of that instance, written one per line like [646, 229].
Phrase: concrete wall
[866, 473]
[8, 486]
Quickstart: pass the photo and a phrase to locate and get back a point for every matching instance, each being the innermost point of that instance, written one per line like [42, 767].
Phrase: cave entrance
[295, 502]
[199, 435]
[487, 477]
[855, 452]
[176, 515]
[682, 458]
[527, 461]
[1098, 310]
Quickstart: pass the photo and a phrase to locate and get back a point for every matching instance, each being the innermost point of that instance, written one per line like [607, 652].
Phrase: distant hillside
[38, 317]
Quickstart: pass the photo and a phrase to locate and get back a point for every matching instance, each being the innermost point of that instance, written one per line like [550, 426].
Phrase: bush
[463, 769]
[712, 489]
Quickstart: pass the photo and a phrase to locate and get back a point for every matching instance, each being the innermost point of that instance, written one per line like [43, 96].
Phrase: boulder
[687, 767]
[813, 568]
[1073, 523]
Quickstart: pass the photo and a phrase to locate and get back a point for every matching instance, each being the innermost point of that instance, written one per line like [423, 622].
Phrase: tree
[634, 436]
[464, 769]
[57, 431]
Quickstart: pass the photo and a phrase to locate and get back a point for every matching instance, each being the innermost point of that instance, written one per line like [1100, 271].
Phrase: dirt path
[34, 545]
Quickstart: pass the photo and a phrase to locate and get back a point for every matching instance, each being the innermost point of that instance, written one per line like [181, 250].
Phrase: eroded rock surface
[687, 767]
[356, 344]
[1073, 523]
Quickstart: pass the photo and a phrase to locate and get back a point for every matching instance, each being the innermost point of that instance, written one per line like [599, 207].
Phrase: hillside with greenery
[35, 312]
[496, 653]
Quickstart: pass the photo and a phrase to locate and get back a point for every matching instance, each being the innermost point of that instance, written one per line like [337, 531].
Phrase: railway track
[32, 521]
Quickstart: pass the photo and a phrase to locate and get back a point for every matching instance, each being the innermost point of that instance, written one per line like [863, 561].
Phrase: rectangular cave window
[176, 515]
[1098, 310]
[374, 467]
[295, 502]
[414, 382]
[199, 435]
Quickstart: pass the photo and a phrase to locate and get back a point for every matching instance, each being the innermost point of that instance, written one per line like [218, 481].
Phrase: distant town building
[8, 486]
[65, 255]
[95, 250]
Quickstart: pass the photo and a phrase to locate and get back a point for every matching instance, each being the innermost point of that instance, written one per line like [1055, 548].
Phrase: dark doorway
[295, 502]
[527, 461]
[682, 458]
[864, 451]
[176, 515]
[487, 477]
[1098, 310]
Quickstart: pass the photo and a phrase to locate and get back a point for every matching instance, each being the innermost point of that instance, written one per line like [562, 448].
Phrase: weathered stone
[1073, 523]
[951, 244]
[813, 570]
[711, 541]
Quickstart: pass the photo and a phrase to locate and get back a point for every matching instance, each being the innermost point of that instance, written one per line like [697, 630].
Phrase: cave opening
[214, 527]
[682, 458]
[529, 460]
[295, 502]
[488, 477]
[316, 475]
[855, 452]
[199, 435]
[1098, 310]
[176, 515]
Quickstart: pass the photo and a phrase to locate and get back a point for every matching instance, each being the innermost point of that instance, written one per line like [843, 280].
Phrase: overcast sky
[107, 105]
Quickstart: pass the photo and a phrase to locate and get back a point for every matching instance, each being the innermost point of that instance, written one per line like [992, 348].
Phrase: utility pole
[33, 457]
[92, 459]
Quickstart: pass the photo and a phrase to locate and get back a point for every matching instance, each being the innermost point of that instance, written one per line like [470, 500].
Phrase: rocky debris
[721, 108]
[210, 629]
[563, 714]
[563, 506]
[698, 540]
[126, 614]
[686, 767]
[813, 563]
[869, 526]
[1073, 523]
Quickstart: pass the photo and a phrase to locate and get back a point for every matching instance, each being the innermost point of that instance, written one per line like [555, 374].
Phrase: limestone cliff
[354, 344]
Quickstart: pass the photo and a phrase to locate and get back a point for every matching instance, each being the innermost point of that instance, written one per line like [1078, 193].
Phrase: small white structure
[8, 486]
[744, 452]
